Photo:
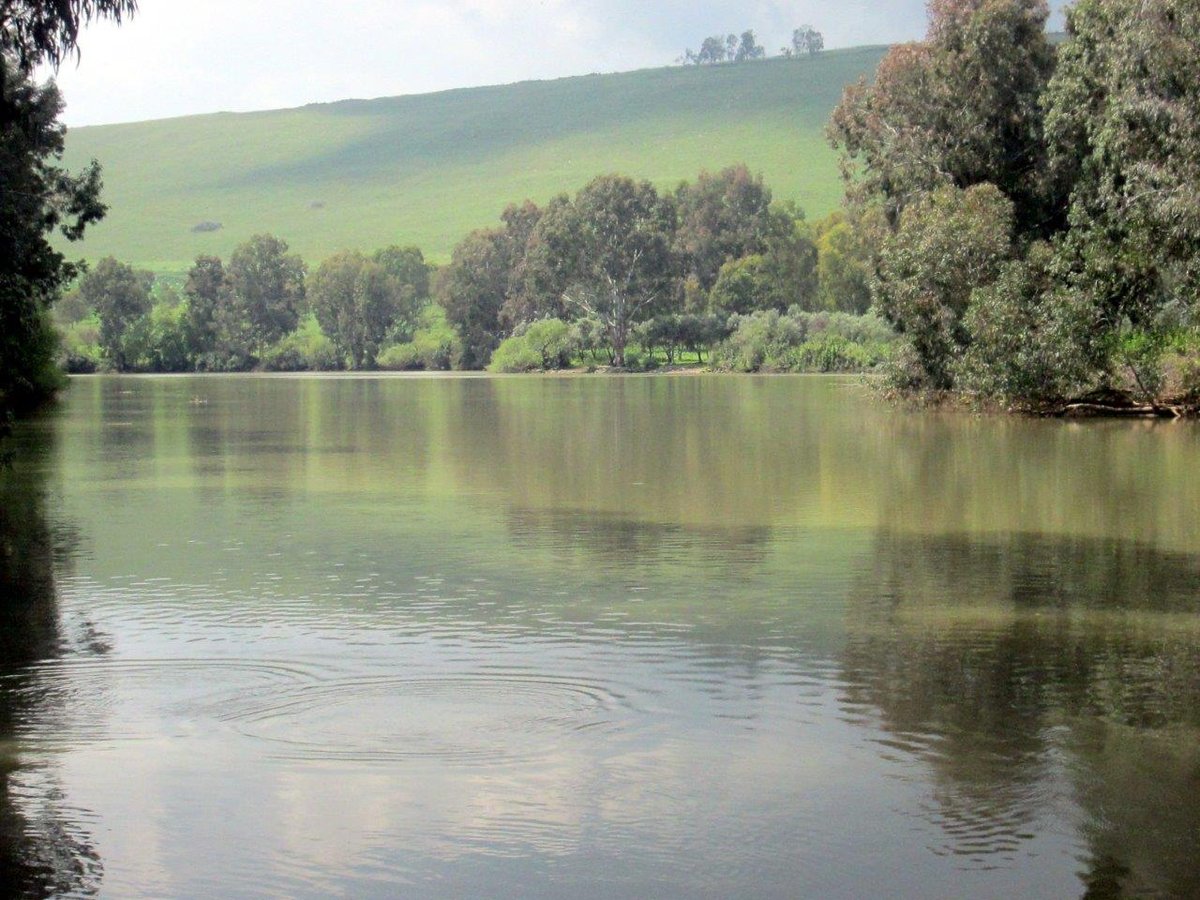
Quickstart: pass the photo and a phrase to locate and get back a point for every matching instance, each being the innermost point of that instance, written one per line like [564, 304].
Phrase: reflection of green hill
[427, 169]
[991, 661]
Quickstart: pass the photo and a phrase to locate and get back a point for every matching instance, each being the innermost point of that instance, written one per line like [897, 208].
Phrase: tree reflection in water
[1030, 674]
[43, 851]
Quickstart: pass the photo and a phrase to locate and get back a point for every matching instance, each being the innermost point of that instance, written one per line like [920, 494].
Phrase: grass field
[427, 169]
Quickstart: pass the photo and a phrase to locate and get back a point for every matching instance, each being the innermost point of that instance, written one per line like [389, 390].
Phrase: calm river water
[593, 637]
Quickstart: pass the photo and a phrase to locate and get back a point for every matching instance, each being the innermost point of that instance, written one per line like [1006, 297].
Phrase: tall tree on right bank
[1123, 118]
[951, 131]
[1096, 147]
[959, 109]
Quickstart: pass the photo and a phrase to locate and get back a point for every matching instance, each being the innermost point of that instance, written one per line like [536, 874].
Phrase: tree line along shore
[619, 275]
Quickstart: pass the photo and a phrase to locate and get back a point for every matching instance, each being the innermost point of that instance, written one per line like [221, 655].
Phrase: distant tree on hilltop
[748, 48]
[806, 41]
[724, 48]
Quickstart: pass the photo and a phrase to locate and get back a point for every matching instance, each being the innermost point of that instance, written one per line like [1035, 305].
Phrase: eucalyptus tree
[949, 243]
[621, 268]
[356, 301]
[1123, 116]
[483, 290]
[748, 48]
[961, 108]
[121, 297]
[267, 289]
[412, 276]
[806, 41]
[947, 147]
[722, 216]
[47, 31]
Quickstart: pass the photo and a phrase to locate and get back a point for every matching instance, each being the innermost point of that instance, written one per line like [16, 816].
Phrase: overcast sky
[179, 57]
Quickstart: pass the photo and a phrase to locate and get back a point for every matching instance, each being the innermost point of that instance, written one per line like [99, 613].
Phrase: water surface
[593, 637]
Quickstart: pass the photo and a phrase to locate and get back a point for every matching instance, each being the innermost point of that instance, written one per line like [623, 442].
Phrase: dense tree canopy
[407, 267]
[357, 301]
[948, 242]
[723, 217]
[208, 309]
[267, 285]
[1043, 222]
[961, 108]
[120, 297]
[482, 290]
[1124, 123]
[472, 290]
[622, 267]
[37, 198]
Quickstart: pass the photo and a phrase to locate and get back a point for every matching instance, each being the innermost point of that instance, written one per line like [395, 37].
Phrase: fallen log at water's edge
[1087, 410]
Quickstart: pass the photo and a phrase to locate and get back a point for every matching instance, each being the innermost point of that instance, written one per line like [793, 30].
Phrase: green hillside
[427, 169]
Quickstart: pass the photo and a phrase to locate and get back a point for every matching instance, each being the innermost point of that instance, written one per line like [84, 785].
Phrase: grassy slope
[427, 169]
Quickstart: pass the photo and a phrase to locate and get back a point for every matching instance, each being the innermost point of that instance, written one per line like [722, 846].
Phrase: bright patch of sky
[179, 57]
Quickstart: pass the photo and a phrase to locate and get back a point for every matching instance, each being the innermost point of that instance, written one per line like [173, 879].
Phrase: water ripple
[494, 717]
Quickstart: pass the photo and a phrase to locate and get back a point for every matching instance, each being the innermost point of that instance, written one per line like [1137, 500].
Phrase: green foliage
[1140, 353]
[545, 344]
[307, 348]
[158, 341]
[434, 345]
[37, 364]
[844, 265]
[82, 353]
[472, 291]
[832, 353]
[514, 355]
[551, 338]
[635, 361]
[407, 266]
[37, 198]
[801, 341]
[719, 48]
[949, 242]
[1097, 159]
[121, 297]
[782, 276]
[267, 289]
[616, 265]
[209, 310]
[1123, 115]
[741, 287]
[723, 217]
[588, 335]
[1027, 342]
[673, 333]
[1189, 380]
[806, 41]
[357, 302]
[960, 109]
[759, 340]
